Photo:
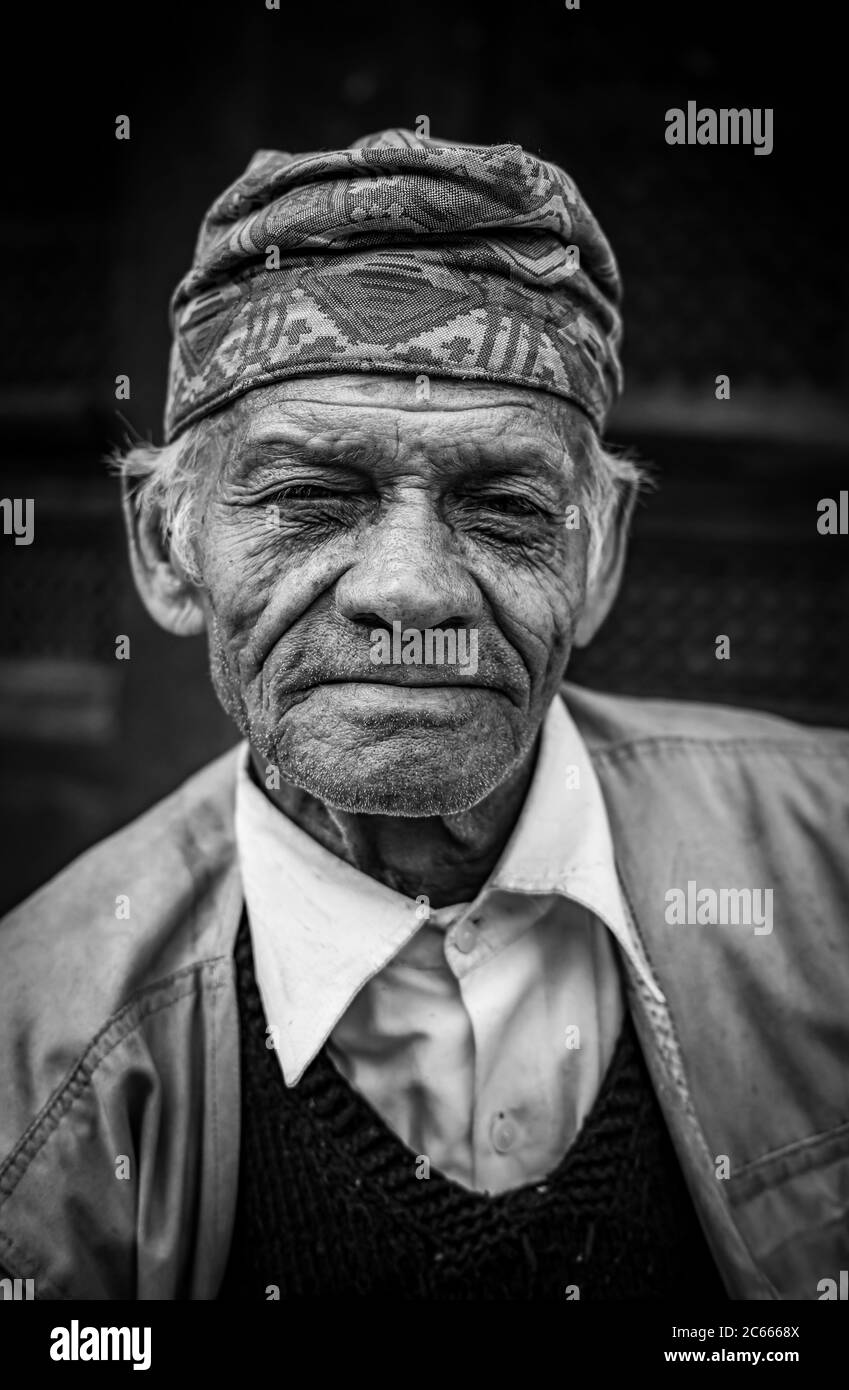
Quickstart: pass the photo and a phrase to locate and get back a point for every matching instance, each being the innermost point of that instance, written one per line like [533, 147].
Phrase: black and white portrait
[424, 668]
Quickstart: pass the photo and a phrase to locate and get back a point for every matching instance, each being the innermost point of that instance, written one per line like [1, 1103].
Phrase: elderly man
[451, 981]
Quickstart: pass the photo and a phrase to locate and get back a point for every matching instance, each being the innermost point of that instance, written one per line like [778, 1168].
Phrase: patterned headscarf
[400, 254]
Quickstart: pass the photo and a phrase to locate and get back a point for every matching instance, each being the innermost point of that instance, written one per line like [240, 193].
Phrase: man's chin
[387, 780]
[414, 789]
[404, 803]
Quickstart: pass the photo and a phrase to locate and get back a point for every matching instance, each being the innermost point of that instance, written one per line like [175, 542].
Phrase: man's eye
[508, 502]
[305, 492]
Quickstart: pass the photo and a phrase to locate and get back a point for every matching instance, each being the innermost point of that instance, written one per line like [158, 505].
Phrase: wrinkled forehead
[359, 418]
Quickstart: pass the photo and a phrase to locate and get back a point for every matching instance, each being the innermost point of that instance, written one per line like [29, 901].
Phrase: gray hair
[610, 478]
[166, 476]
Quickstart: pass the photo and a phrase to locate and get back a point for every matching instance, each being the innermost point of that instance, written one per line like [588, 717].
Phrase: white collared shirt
[481, 1034]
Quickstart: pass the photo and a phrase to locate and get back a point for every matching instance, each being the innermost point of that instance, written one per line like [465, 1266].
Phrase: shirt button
[504, 1134]
[465, 937]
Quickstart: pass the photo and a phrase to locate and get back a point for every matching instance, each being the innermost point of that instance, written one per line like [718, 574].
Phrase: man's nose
[408, 572]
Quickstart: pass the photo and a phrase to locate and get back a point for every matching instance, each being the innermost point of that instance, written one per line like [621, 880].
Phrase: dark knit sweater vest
[330, 1204]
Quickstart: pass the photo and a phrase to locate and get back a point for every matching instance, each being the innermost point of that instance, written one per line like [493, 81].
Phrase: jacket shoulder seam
[734, 744]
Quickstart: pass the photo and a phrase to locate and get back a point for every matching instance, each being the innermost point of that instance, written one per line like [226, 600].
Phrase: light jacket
[119, 1043]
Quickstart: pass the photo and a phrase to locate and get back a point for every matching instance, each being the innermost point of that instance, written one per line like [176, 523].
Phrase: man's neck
[447, 859]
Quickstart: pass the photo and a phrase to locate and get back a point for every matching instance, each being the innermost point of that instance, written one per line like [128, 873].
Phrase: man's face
[346, 505]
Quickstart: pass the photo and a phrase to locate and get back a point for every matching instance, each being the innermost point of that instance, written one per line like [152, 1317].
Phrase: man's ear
[603, 585]
[171, 598]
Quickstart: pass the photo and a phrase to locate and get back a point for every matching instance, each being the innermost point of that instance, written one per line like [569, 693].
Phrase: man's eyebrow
[526, 457]
[545, 458]
[280, 446]
[496, 456]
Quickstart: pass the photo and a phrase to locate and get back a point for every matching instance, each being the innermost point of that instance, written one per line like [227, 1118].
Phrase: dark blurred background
[733, 264]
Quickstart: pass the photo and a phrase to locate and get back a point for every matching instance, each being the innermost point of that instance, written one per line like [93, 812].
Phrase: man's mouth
[417, 698]
[409, 681]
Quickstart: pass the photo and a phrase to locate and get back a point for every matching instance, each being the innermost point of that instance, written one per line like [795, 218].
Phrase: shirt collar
[321, 929]
[562, 842]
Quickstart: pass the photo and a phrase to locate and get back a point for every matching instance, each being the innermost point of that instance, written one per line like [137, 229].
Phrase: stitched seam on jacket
[664, 1024]
[798, 1146]
[216, 1147]
[196, 853]
[77, 1079]
[685, 743]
